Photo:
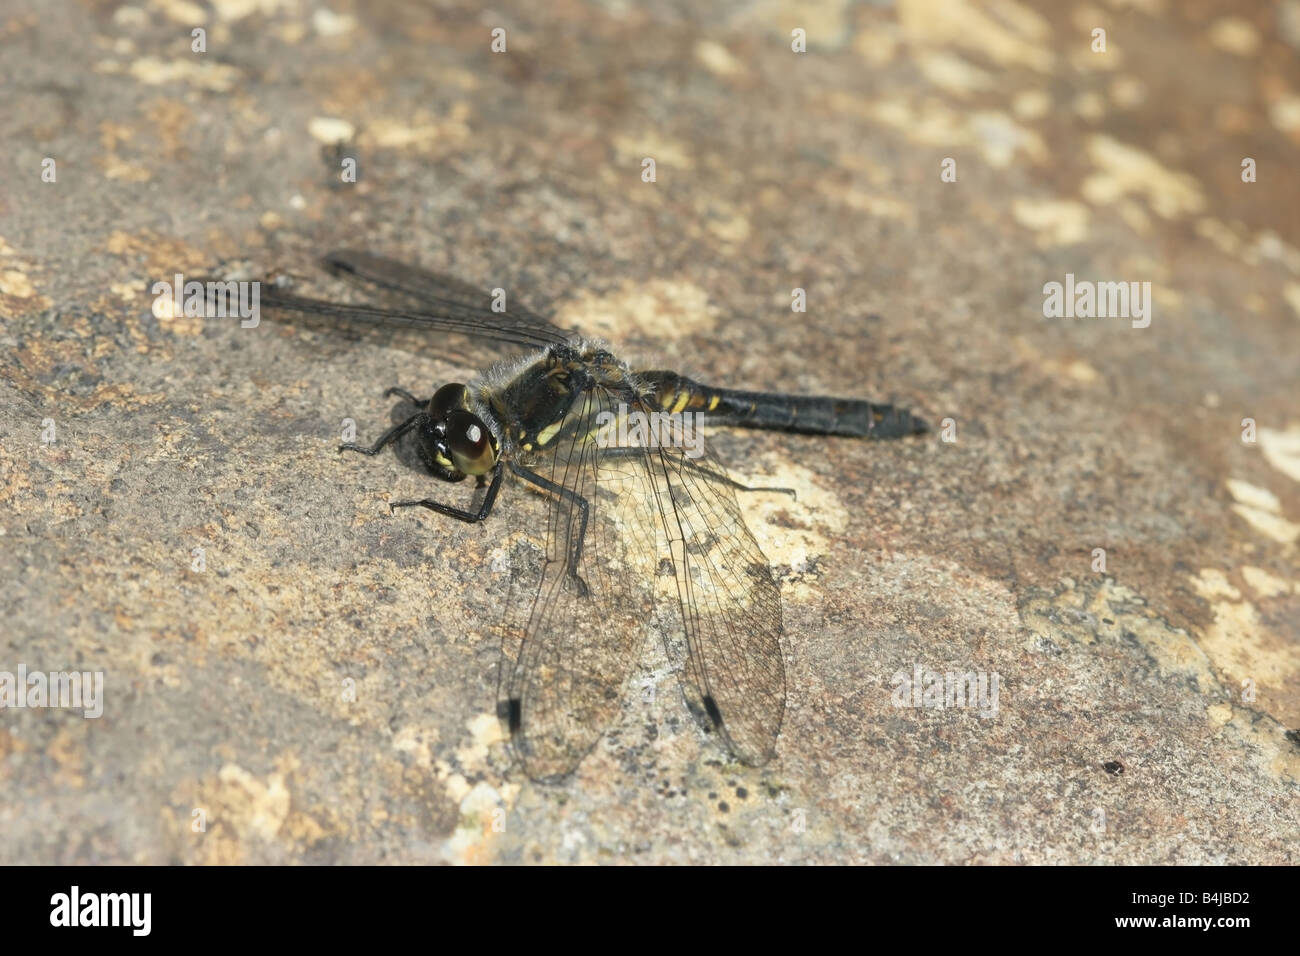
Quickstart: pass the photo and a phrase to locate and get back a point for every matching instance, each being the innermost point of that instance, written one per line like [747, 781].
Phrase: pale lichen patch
[1009, 33]
[1265, 585]
[660, 308]
[1281, 449]
[1234, 35]
[1123, 169]
[1057, 222]
[1262, 510]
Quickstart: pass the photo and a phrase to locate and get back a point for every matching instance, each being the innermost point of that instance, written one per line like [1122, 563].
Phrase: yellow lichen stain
[1266, 585]
[1234, 35]
[1220, 234]
[260, 807]
[1243, 649]
[482, 819]
[1152, 8]
[181, 11]
[1127, 92]
[1281, 448]
[1284, 113]
[68, 752]
[1173, 649]
[1219, 714]
[16, 284]
[329, 24]
[998, 137]
[1031, 104]
[952, 74]
[418, 741]
[1089, 106]
[423, 133]
[169, 126]
[234, 10]
[1057, 222]
[1267, 747]
[1233, 648]
[238, 808]
[1212, 583]
[1260, 508]
[1008, 33]
[660, 308]
[485, 733]
[160, 257]
[717, 59]
[667, 153]
[121, 395]
[330, 129]
[1075, 370]
[876, 205]
[792, 532]
[1127, 170]
[202, 74]
[123, 171]
[1291, 294]
[877, 44]
[1134, 216]
[729, 227]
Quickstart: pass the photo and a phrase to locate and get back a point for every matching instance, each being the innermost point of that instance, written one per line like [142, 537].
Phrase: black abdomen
[815, 414]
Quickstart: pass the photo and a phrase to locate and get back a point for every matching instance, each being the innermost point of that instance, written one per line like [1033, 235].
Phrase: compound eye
[450, 396]
[470, 443]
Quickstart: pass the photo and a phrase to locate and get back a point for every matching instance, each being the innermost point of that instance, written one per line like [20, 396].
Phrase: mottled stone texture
[225, 687]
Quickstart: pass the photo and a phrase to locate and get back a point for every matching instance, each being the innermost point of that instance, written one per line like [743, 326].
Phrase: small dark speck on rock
[1293, 736]
[742, 793]
[1113, 767]
[723, 806]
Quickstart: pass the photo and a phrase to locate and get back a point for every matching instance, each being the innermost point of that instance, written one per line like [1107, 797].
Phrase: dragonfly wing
[657, 521]
[436, 292]
[727, 641]
[576, 617]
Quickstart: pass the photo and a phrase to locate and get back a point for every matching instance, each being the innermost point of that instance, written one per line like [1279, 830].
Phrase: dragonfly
[623, 528]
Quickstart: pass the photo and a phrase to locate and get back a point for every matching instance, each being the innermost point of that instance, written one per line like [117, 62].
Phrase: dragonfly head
[454, 441]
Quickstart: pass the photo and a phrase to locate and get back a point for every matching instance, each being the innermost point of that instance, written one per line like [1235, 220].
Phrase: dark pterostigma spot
[510, 711]
[711, 708]
[1113, 767]
[516, 714]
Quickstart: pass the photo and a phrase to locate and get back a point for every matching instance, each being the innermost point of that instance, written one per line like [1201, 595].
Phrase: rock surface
[191, 533]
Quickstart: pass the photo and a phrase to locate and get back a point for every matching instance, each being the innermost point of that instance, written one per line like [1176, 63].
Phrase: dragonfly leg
[686, 462]
[727, 479]
[452, 511]
[584, 510]
[421, 402]
[387, 437]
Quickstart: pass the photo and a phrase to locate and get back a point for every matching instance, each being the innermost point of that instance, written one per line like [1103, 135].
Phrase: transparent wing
[733, 674]
[459, 320]
[412, 299]
[577, 613]
[442, 294]
[655, 520]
